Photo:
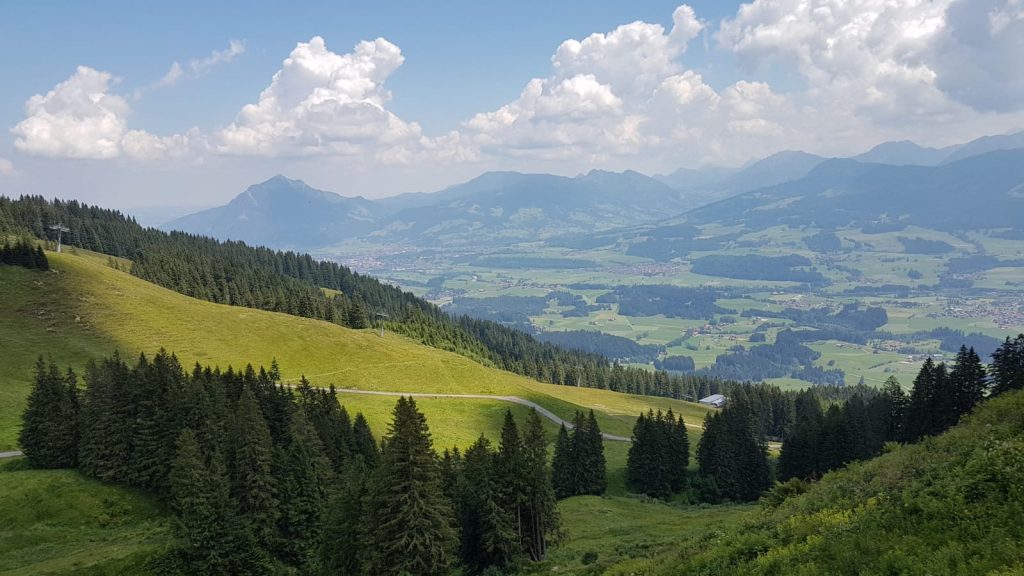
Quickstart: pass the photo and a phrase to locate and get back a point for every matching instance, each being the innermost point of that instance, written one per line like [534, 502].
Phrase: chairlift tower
[381, 316]
[61, 229]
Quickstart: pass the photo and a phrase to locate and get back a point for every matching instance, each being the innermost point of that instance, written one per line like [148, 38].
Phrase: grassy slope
[619, 529]
[86, 310]
[58, 522]
[950, 505]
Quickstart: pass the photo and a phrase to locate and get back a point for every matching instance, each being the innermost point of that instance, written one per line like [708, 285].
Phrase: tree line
[578, 467]
[823, 428]
[284, 281]
[264, 478]
[659, 455]
[826, 439]
[23, 253]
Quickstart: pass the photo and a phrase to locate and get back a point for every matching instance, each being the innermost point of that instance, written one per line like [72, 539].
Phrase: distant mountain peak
[279, 179]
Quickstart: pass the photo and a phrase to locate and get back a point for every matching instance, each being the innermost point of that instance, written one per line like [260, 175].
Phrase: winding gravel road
[13, 454]
[513, 399]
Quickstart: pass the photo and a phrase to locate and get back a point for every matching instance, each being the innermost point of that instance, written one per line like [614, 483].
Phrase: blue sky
[92, 106]
[441, 83]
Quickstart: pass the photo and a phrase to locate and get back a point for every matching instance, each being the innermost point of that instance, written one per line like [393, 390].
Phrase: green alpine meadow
[325, 288]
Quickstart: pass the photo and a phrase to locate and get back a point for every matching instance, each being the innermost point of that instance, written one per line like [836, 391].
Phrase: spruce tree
[733, 459]
[561, 466]
[363, 444]
[303, 476]
[105, 445]
[345, 528]
[799, 457]
[968, 381]
[896, 409]
[451, 474]
[541, 523]
[508, 469]
[1008, 366]
[638, 459]
[943, 409]
[49, 433]
[834, 442]
[593, 460]
[156, 386]
[920, 406]
[254, 486]
[488, 528]
[411, 518]
[358, 317]
[679, 451]
[214, 540]
[39, 261]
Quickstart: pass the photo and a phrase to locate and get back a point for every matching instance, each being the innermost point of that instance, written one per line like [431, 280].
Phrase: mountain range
[496, 207]
[894, 182]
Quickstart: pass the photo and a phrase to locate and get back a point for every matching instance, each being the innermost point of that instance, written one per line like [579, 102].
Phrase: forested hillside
[949, 505]
[237, 274]
[264, 478]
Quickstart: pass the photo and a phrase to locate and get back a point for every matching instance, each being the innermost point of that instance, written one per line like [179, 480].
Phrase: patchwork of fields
[920, 292]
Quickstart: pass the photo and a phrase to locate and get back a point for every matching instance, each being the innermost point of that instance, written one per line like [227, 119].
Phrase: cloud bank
[861, 71]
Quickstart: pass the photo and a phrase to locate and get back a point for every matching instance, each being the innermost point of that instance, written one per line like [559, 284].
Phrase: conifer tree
[639, 458]
[541, 523]
[105, 443]
[1008, 366]
[155, 387]
[896, 403]
[943, 409]
[561, 466]
[921, 404]
[799, 457]
[345, 526]
[49, 433]
[488, 527]
[411, 518]
[508, 470]
[363, 443]
[39, 261]
[593, 460]
[834, 441]
[732, 457]
[451, 474]
[658, 458]
[304, 474]
[679, 451]
[214, 539]
[968, 381]
[254, 486]
[358, 317]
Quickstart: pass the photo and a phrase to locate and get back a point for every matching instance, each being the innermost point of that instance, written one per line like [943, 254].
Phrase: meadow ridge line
[513, 399]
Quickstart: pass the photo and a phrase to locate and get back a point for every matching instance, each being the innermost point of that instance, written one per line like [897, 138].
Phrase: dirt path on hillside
[513, 399]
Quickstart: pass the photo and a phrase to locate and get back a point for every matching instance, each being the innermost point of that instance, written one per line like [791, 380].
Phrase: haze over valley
[495, 289]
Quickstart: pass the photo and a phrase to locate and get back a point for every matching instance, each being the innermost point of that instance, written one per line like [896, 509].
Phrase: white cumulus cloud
[321, 102]
[6, 167]
[868, 70]
[79, 118]
[594, 103]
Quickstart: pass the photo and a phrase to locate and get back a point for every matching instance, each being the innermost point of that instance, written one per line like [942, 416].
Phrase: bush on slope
[952, 504]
